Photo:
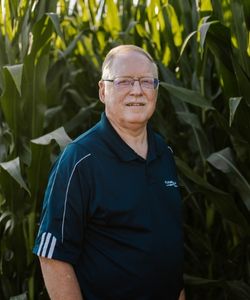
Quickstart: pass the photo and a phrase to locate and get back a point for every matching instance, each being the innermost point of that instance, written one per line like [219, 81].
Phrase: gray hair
[107, 64]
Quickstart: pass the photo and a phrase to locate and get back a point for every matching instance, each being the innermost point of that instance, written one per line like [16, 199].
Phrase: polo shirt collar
[123, 150]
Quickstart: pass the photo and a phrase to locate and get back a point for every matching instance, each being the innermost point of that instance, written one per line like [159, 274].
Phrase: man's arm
[182, 295]
[60, 280]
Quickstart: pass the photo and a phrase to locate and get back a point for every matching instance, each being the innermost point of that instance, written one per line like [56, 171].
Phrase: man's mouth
[135, 104]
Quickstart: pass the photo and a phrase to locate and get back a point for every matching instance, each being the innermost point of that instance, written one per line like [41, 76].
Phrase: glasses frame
[133, 80]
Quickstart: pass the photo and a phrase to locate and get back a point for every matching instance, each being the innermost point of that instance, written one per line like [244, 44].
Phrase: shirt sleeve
[64, 213]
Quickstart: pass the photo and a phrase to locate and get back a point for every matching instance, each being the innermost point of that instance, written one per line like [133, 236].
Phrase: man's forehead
[135, 62]
[136, 57]
[131, 54]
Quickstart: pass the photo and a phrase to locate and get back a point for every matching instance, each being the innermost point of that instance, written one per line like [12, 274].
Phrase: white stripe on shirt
[41, 243]
[52, 247]
[46, 244]
[67, 190]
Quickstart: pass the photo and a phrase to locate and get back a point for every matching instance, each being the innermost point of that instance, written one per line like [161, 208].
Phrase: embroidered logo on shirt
[172, 183]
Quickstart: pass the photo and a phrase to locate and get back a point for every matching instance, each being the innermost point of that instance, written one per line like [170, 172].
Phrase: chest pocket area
[122, 206]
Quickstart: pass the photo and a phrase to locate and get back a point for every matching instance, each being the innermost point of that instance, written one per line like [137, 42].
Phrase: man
[111, 221]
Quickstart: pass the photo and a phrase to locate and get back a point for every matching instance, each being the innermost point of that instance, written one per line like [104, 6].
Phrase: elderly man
[111, 223]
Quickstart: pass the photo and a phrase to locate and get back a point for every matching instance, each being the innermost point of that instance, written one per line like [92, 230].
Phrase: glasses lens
[147, 82]
[123, 82]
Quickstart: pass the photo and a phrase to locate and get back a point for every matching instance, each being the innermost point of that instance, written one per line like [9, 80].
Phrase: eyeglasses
[128, 82]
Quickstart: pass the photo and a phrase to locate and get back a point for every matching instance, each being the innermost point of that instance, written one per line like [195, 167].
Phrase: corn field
[50, 63]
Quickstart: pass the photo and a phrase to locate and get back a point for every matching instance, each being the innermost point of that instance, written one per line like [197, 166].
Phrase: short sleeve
[64, 213]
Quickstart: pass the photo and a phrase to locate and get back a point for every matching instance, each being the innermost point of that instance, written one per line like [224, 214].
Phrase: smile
[135, 104]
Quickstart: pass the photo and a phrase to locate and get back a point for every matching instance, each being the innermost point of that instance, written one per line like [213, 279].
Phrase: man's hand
[60, 280]
[182, 295]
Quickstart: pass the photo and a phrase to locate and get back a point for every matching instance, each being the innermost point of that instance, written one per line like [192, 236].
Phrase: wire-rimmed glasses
[128, 82]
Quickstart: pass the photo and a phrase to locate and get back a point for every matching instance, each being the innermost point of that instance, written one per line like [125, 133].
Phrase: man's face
[130, 106]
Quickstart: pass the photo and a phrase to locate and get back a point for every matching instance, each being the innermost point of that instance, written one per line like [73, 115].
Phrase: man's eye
[123, 82]
[149, 81]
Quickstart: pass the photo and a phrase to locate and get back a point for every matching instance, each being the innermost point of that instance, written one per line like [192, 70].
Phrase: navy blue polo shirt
[115, 216]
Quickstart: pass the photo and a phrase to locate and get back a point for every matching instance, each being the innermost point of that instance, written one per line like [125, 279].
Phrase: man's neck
[135, 136]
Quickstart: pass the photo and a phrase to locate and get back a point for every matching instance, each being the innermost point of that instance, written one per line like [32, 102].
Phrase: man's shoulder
[89, 138]
[80, 148]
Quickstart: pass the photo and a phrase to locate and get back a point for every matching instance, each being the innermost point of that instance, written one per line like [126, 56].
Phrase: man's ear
[101, 91]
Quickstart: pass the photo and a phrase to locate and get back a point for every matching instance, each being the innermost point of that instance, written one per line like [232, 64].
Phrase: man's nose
[136, 86]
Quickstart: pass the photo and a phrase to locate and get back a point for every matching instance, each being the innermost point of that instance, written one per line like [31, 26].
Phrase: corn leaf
[223, 161]
[55, 20]
[14, 170]
[11, 103]
[188, 96]
[233, 105]
[222, 201]
[59, 135]
[16, 74]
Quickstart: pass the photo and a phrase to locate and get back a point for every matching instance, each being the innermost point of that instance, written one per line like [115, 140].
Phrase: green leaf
[246, 5]
[190, 118]
[218, 39]
[34, 92]
[79, 118]
[199, 139]
[206, 5]
[199, 281]
[176, 30]
[233, 105]
[11, 104]
[16, 72]
[184, 44]
[59, 135]
[238, 289]
[241, 34]
[204, 29]
[224, 161]
[7, 224]
[112, 18]
[19, 297]
[243, 81]
[41, 32]
[222, 200]
[56, 22]
[141, 31]
[37, 175]
[188, 96]
[189, 173]
[14, 170]
[72, 44]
